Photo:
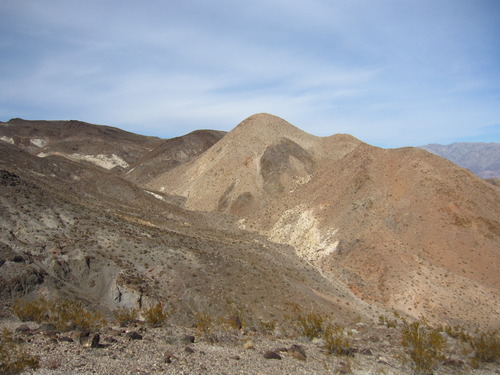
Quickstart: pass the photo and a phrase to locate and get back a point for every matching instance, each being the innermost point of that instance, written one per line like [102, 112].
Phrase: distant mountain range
[483, 159]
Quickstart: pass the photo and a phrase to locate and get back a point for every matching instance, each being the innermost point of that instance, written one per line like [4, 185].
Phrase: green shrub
[423, 345]
[125, 316]
[156, 315]
[336, 340]
[13, 357]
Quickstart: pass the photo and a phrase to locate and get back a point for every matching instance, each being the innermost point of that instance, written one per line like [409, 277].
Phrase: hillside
[252, 240]
[402, 227]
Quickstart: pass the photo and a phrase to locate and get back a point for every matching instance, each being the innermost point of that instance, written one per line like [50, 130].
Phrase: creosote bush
[336, 340]
[310, 325]
[125, 316]
[204, 322]
[485, 346]
[65, 314]
[31, 311]
[424, 346]
[157, 315]
[13, 357]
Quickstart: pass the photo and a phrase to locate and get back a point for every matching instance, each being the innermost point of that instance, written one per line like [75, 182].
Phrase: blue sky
[390, 72]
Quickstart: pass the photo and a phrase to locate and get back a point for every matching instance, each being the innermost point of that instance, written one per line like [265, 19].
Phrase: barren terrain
[253, 223]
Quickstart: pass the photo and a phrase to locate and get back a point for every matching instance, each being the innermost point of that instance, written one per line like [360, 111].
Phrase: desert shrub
[310, 325]
[336, 340]
[485, 346]
[68, 314]
[204, 322]
[384, 320]
[65, 314]
[456, 332]
[31, 311]
[13, 357]
[125, 316]
[267, 328]
[156, 315]
[424, 346]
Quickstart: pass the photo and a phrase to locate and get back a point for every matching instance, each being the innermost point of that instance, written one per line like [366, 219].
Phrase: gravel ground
[169, 350]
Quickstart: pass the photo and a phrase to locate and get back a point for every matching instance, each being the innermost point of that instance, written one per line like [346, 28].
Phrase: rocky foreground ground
[138, 349]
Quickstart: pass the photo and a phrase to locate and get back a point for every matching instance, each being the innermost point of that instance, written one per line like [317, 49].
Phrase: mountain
[104, 146]
[74, 228]
[403, 228]
[256, 220]
[482, 159]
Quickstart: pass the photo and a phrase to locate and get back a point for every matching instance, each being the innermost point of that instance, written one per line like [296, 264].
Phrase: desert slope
[401, 227]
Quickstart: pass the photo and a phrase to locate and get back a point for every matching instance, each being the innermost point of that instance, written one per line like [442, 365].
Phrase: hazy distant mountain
[482, 159]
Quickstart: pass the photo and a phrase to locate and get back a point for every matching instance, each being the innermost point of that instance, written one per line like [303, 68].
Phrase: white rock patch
[158, 196]
[104, 161]
[298, 227]
[7, 140]
[38, 142]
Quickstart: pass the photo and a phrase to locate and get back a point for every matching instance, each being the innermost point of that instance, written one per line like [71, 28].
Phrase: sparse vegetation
[13, 358]
[337, 341]
[485, 346]
[31, 311]
[125, 315]
[204, 322]
[65, 314]
[157, 315]
[310, 325]
[424, 347]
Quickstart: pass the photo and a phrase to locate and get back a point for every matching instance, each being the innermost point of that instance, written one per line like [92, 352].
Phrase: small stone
[454, 363]
[382, 360]
[248, 345]
[187, 339]
[234, 321]
[89, 340]
[47, 327]
[365, 351]
[344, 369]
[23, 328]
[297, 352]
[133, 335]
[189, 350]
[270, 354]
[168, 357]
[66, 339]
[318, 342]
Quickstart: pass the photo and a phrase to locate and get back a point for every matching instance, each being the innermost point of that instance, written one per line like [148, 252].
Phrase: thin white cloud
[391, 73]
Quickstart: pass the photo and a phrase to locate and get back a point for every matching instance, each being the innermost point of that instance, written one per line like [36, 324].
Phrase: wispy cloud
[391, 73]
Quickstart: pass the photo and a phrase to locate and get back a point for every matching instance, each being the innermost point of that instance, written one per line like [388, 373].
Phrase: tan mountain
[403, 228]
[171, 153]
[104, 146]
[75, 229]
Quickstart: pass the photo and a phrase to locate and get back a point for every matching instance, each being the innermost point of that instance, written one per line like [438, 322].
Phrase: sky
[392, 73]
